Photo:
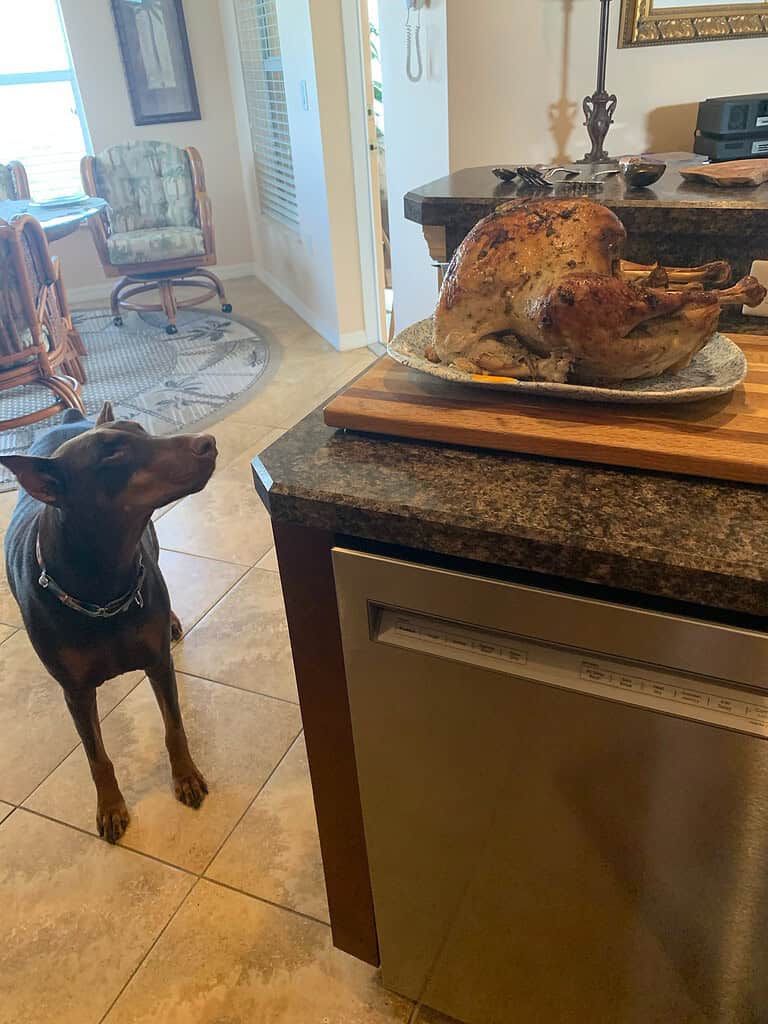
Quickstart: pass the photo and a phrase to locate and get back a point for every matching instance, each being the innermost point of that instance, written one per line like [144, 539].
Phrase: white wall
[96, 57]
[507, 79]
[513, 92]
[298, 265]
[316, 269]
[416, 128]
[333, 104]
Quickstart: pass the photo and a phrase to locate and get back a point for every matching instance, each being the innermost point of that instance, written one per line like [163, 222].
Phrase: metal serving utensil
[546, 177]
[533, 176]
[505, 173]
[549, 177]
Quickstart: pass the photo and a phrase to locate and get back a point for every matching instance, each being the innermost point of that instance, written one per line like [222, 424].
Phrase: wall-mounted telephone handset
[413, 41]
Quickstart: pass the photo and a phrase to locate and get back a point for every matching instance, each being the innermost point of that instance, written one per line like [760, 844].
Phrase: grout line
[233, 586]
[239, 565]
[234, 686]
[152, 945]
[118, 846]
[263, 429]
[211, 558]
[125, 696]
[49, 774]
[186, 630]
[190, 675]
[78, 744]
[263, 899]
[267, 427]
[10, 813]
[255, 798]
[123, 845]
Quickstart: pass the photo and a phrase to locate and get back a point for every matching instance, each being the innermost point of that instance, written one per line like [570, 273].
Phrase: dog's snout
[204, 444]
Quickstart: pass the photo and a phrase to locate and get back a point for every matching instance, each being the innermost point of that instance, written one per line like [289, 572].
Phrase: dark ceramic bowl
[641, 171]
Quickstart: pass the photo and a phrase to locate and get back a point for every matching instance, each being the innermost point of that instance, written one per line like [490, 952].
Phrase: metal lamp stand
[600, 107]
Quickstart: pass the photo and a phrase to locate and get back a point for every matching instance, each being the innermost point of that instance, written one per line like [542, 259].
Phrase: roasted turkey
[538, 290]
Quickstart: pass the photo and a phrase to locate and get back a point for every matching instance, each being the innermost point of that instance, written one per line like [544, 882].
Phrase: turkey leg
[748, 292]
[718, 272]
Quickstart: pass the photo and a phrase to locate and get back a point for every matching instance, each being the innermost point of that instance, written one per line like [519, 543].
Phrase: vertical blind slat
[261, 60]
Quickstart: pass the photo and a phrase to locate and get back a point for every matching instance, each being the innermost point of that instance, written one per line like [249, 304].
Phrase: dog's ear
[106, 415]
[39, 477]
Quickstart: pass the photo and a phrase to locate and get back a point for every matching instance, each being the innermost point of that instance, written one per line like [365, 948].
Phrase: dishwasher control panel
[646, 686]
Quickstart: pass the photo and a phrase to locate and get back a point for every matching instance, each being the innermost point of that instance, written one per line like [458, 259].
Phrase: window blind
[41, 117]
[261, 59]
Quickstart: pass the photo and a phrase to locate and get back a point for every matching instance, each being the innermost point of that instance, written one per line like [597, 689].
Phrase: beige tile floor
[196, 917]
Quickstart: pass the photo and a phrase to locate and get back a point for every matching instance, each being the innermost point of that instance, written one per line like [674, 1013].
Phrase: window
[41, 118]
[267, 108]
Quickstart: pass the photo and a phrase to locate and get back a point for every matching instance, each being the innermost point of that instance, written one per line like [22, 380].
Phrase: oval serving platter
[717, 370]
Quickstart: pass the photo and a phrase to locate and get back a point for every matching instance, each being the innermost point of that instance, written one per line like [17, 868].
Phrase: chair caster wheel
[226, 307]
[171, 329]
[117, 321]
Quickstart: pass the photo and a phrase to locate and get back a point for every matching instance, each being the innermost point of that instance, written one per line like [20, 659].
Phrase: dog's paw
[176, 627]
[190, 787]
[112, 819]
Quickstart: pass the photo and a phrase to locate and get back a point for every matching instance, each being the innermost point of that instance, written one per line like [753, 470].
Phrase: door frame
[363, 135]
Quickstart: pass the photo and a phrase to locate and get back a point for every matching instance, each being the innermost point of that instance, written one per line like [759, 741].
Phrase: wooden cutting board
[734, 172]
[725, 438]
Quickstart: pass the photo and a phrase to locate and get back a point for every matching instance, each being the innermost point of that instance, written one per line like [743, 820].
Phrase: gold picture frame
[642, 23]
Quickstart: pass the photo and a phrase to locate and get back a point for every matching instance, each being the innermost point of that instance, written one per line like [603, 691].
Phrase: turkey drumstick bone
[718, 272]
[548, 272]
[748, 292]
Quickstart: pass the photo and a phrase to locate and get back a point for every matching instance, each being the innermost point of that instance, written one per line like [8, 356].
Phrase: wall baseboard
[325, 330]
[353, 339]
[102, 289]
[341, 342]
[227, 272]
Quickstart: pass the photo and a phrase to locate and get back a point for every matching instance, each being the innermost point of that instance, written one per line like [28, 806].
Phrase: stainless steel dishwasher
[565, 800]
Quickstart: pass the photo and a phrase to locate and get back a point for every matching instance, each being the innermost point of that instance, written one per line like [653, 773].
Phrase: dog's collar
[95, 611]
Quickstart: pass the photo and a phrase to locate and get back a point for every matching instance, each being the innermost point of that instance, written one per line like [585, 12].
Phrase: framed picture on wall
[158, 67]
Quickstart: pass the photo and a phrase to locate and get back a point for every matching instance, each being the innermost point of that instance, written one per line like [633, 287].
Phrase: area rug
[168, 383]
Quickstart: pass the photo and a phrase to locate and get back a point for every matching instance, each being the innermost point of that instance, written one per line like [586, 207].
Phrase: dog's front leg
[188, 781]
[111, 813]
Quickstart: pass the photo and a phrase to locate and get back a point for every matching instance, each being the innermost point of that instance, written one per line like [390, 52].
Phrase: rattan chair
[14, 183]
[38, 343]
[157, 233]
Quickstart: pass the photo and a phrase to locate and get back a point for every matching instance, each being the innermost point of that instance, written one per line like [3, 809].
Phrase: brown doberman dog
[82, 562]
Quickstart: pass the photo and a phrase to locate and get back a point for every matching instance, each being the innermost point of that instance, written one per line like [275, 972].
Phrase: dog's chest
[100, 654]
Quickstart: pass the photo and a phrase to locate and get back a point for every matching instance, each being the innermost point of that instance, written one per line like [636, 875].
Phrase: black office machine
[733, 127]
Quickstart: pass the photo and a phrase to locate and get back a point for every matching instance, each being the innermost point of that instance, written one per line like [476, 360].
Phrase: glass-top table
[57, 219]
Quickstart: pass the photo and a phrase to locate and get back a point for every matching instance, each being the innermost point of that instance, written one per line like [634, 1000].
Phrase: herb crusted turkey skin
[548, 273]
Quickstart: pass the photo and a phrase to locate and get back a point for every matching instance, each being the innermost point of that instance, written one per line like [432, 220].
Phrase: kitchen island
[681, 546]
[677, 222]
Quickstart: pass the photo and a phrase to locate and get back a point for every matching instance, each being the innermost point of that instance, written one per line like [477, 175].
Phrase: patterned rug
[169, 384]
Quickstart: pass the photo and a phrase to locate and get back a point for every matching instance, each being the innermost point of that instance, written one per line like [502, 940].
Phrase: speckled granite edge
[347, 483]
[645, 576]
[674, 222]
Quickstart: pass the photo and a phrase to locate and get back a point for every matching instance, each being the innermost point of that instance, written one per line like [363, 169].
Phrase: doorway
[380, 157]
[367, 98]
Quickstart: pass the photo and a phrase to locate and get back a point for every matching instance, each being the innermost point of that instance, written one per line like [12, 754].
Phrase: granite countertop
[475, 190]
[680, 538]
